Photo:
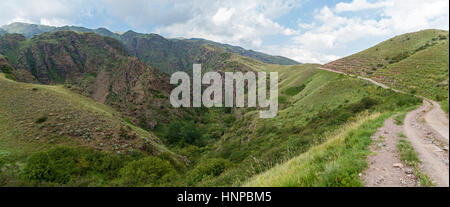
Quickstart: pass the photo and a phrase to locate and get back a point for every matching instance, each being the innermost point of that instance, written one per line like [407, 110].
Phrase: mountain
[171, 55]
[63, 138]
[28, 30]
[82, 109]
[167, 55]
[415, 62]
[95, 66]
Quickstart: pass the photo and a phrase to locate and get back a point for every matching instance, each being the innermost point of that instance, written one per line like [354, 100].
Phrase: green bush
[10, 76]
[150, 171]
[292, 91]
[65, 164]
[365, 103]
[399, 57]
[6, 69]
[184, 132]
[59, 165]
[208, 168]
[41, 119]
[282, 99]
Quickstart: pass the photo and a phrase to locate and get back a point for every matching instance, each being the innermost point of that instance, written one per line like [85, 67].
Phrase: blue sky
[316, 31]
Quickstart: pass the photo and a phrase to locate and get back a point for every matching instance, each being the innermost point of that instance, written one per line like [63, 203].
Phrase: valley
[83, 107]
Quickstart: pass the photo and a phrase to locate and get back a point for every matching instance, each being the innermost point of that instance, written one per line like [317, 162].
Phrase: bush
[208, 168]
[64, 164]
[365, 103]
[184, 132]
[401, 56]
[151, 171]
[6, 69]
[282, 99]
[41, 119]
[292, 91]
[10, 76]
[59, 165]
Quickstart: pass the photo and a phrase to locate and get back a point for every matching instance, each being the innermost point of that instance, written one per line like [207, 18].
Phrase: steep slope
[95, 66]
[167, 55]
[37, 117]
[50, 136]
[414, 62]
[314, 104]
[171, 55]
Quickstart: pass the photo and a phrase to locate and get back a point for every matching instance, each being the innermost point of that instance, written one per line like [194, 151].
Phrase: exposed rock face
[166, 55]
[171, 55]
[95, 66]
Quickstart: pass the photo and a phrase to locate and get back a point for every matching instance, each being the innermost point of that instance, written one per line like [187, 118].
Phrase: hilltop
[416, 63]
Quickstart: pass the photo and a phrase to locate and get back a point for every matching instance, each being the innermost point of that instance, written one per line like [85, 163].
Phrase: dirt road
[434, 159]
[437, 119]
[385, 168]
[427, 128]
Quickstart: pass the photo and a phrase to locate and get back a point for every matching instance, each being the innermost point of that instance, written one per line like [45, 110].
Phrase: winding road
[427, 128]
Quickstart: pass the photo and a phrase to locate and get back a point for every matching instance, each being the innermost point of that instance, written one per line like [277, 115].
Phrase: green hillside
[34, 119]
[315, 105]
[95, 66]
[415, 63]
[104, 116]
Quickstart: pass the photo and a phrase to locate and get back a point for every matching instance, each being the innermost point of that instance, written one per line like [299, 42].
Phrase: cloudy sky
[305, 30]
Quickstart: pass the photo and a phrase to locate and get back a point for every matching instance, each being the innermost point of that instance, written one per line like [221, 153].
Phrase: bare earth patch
[385, 168]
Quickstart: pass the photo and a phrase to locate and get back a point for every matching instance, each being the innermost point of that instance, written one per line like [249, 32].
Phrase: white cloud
[333, 31]
[50, 12]
[359, 5]
[233, 22]
[223, 15]
[330, 35]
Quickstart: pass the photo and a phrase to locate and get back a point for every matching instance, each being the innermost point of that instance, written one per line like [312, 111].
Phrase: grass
[37, 117]
[400, 117]
[416, 63]
[444, 105]
[326, 103]
[409, 156]
[337, 162]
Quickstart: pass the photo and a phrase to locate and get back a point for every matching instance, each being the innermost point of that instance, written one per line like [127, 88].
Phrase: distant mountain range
[167, 55]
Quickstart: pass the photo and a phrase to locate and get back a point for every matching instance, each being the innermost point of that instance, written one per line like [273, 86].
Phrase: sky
[309, 31]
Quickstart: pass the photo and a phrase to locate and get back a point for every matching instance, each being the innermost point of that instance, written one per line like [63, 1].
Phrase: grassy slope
[70, 119]
[327, 164]
[415, 62]
[305, 120]
[424, 73]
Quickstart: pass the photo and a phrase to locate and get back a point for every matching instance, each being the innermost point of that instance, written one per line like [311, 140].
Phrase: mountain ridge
[30, 30]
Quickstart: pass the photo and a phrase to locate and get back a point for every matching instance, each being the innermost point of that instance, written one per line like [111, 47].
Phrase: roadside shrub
[404, 100]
